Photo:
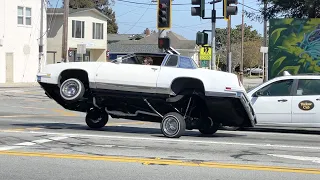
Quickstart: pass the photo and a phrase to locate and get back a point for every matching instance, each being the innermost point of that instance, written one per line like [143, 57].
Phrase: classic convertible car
[171, 90]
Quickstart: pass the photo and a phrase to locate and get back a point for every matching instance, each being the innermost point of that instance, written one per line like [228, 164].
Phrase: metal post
[265, 42]
[213, 40]
[65, 32]
[229, 61]
[41, 36]
[242, 44]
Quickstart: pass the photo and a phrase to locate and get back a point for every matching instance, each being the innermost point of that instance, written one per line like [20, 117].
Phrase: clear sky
[134, 17]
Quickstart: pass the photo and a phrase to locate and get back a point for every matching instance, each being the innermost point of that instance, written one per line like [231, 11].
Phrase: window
[24, 15]
[279, 88]
[172, 61]
[77, 29]
[308, 87]
[185, 63]
[28, 16]
[97, 31]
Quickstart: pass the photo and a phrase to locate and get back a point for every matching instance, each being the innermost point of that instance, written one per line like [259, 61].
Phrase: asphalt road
[40, 140]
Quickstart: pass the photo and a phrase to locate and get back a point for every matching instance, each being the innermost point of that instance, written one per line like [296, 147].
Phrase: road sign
[204, 63]
[205, 53]
[81, 49]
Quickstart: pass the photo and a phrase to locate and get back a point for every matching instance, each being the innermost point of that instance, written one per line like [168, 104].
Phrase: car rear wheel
[173, 125]
[96, 118]
[209, 127]
[72, 89]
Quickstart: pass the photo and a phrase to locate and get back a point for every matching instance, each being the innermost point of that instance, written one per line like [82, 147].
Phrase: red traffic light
[163, 5]
[164, 43]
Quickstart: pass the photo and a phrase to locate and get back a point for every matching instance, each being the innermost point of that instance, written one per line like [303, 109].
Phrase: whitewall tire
[72, 89]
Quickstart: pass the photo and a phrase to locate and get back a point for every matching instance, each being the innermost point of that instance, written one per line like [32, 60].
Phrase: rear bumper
[231, 108]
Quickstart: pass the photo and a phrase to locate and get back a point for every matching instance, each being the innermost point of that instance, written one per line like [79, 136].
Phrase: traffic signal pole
[213, 39]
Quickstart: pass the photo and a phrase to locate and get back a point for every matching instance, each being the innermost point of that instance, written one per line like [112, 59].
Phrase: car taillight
[228, 88]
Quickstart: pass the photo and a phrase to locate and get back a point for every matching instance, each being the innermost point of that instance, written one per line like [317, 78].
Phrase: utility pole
[229, 61]
[265, 44]
[213, 38]
[65, 31]
[41, 37]
[242, 43]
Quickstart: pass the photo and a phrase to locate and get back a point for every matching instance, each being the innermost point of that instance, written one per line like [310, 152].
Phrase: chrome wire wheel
[173, 125]
[72, 89]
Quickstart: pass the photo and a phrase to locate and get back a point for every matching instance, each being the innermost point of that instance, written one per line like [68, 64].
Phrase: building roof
[60, 11]
[149, 43]
[123, 37]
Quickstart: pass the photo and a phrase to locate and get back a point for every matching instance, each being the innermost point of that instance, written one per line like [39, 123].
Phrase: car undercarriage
[188, 110]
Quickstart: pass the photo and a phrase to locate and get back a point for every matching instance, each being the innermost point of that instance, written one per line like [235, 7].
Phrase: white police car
[289, 100]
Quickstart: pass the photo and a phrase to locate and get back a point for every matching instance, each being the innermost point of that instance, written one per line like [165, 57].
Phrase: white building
[86, 26]
[19, 40]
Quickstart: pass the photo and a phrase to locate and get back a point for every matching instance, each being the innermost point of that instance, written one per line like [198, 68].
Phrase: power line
[249, 7]
[138, 20]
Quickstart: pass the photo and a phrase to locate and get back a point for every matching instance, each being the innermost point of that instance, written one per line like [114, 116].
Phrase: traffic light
[198, 11]
[164, 14]
[164, 43]
[202, 38]
[229, 10]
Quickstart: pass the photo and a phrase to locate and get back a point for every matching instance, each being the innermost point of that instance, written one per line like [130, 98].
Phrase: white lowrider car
[172, 91]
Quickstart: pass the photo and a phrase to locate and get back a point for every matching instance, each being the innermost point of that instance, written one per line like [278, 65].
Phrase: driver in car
[147, 61]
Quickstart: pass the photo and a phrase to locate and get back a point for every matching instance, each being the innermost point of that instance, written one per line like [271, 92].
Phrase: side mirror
[258, 93]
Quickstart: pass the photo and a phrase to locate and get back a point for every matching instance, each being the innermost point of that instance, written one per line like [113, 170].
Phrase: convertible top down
[169, 89]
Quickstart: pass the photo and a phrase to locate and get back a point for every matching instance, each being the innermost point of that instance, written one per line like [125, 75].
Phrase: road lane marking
[148, 161]
[71, 135]
[64, 112]
[31, 143]
[126, 123]
[28, 115]
[22, 129]
[301, 158]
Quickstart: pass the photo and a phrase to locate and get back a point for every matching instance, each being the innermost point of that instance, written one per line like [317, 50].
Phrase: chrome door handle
[282, 100]
[154, 69]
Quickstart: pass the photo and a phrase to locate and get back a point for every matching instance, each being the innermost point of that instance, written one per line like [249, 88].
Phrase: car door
[272, 103]
[129, 75]
[306, 103]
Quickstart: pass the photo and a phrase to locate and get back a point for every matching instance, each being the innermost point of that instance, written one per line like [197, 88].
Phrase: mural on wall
[294, 46]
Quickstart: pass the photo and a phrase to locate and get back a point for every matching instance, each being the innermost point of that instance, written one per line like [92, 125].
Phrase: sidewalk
[19, 85]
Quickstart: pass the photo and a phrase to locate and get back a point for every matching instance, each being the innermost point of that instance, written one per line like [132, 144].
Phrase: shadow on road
[155, 132]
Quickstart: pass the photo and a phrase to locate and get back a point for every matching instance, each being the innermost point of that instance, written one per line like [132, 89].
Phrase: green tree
[251, 53]
[287, 9]
[249, 34]
[103, 6]
[252, 44]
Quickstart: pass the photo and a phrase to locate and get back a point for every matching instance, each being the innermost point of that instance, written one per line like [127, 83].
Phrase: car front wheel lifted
[96, 118]
[173, 125]
[72, 89]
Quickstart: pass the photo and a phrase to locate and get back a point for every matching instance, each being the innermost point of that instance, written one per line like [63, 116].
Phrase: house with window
[87, 35]
[122, 44]
[19, 40]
